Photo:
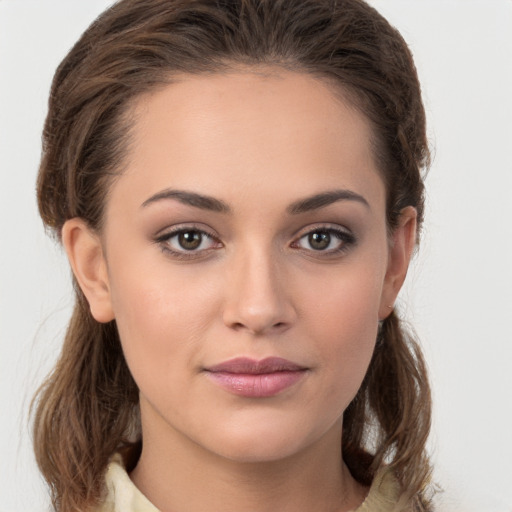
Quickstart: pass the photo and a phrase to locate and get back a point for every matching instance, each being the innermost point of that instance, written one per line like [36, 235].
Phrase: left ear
[400, 252]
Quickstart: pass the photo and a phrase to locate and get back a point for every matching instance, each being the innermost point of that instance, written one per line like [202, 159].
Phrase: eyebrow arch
[324, 199]
[191, 199]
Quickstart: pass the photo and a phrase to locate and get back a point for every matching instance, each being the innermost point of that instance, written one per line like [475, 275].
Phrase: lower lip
[256, 386]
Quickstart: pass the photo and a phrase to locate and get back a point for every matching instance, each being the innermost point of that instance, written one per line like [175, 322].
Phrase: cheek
[161, 317]
[346, 300]
[342, 318]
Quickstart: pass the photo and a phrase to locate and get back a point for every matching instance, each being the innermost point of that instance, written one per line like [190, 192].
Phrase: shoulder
[122, 495]
[383, 495]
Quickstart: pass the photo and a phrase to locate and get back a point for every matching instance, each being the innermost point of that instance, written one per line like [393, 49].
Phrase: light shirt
[123, 495]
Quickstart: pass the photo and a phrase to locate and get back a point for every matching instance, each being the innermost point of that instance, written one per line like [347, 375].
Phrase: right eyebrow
[190, 199]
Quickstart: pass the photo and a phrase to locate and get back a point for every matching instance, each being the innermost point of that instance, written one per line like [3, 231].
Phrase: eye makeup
[325, 240]
[188, 242]
[192, 241]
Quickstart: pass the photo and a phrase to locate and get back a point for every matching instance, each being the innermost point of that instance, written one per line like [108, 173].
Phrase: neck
[176, 475]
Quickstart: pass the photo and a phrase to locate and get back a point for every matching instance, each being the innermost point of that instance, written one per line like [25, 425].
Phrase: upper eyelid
[164, 241]
[163, 238]
[348, 239]
[325, 226]
[179, 228]
[174, 229]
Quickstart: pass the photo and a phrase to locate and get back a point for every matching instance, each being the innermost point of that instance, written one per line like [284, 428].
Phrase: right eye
[187, 241]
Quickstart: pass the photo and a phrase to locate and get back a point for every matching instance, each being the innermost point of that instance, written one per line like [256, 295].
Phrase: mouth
[256, 379]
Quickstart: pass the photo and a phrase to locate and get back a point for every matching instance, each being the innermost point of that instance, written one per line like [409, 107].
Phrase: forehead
[265, 129]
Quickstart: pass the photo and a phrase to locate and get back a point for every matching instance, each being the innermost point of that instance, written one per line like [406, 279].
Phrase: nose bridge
[256, 300]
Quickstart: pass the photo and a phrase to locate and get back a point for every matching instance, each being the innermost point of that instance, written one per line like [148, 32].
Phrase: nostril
[258, 329]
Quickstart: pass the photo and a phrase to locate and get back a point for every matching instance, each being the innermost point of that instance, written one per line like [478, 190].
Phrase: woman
[238, 189]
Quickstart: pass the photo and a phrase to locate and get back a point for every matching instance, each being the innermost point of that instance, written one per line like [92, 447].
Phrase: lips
[256, 379]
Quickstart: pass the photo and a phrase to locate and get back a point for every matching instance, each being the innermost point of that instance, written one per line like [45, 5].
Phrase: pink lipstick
[256, 379]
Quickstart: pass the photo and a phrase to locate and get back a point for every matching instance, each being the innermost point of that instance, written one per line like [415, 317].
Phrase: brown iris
[319, 240]
[190, 240]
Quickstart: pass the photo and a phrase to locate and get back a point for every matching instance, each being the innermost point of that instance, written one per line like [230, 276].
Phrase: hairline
[129, 114]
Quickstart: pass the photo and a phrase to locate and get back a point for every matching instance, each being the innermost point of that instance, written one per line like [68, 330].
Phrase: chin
[267, 441]
[257, 451]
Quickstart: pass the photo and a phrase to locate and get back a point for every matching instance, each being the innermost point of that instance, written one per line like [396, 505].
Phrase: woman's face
[246, 261]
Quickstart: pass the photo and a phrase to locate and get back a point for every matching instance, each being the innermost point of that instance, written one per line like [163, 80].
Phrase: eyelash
[345, 238]
[164, 241]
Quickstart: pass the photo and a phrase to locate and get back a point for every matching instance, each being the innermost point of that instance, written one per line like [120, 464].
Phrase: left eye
[326, 240]
[188, 240]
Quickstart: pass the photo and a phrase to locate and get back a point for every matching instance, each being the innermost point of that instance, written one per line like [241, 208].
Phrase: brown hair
[88, 407]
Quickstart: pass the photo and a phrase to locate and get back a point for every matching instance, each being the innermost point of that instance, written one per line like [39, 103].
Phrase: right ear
[85, 253]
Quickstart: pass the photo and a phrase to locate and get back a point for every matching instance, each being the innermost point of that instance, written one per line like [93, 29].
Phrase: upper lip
[245, 365]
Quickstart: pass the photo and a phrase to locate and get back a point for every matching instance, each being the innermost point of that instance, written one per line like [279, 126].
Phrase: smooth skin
[211, 250]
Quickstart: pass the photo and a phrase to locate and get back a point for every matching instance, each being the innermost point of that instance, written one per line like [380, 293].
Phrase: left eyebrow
[324, 199]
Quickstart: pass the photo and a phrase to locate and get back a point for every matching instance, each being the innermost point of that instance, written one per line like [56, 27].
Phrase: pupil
[189, 240]
[319, 240]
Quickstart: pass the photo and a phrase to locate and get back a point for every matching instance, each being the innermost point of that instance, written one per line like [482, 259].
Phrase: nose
[256, 300]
